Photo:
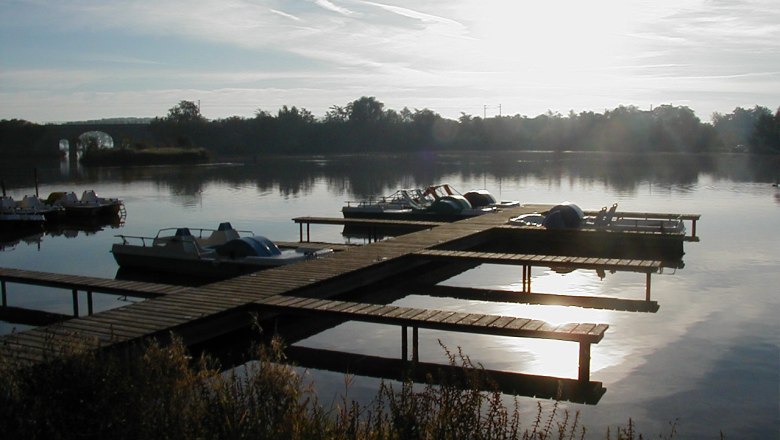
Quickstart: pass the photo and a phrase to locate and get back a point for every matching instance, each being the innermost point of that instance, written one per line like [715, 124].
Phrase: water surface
[708, 358]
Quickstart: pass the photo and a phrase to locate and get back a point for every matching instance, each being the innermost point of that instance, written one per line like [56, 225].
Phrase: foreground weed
[160, 392]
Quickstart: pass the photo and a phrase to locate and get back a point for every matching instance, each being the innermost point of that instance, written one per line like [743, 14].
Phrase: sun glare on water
[528, 355]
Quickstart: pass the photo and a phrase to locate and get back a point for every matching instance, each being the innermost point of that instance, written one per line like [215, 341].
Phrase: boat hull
[410, 215]
[667, 247]
[103, 211]
[155, 260]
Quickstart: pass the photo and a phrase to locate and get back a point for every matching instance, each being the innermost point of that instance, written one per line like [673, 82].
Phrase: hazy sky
[63, 60]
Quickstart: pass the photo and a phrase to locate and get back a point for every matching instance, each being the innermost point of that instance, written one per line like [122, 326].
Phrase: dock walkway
[202, 313]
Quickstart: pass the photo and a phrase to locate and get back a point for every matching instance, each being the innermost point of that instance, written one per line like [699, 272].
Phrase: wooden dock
[372, 227]
[311, 288]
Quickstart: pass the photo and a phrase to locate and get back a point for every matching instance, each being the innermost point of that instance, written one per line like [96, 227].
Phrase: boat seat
[186, 242]
[7, 203]
[218, 237]
[604, 217]
[222, 235]
[32, 202]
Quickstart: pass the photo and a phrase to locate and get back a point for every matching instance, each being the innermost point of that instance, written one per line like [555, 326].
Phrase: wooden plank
[470, 319]
[384, 310]
[358, 308]
[318, 305]
[532, 325]
[414, 314]
[436, 315]
[547, 328]
[506, 258]
[566, 328]
[342, 306]
[582, 329]
[121, 322]
[398, 312]
[502, 321]
[598, 330]
[103, 332]
[486, 320]
[516, 324]
[371, 309]
[454, 318]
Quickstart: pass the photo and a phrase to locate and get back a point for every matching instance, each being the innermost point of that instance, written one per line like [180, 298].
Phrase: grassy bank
[161, 392]
[148, 156]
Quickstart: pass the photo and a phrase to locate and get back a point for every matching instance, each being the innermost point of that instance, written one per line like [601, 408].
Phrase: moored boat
[35, 205]
[220, 253]
[14, 217]
[569, 216]
[89, 205]
[434, 203]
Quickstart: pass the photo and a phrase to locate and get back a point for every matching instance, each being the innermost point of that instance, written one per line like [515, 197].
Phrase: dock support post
[5, 298]
[404, 344]
[529, 279]
[523, 289]
[300, 231]
[584, 370]
[75, 303]
[693, 228]
[647, 288]
[526, 278]
[89, 302]
[415, 345]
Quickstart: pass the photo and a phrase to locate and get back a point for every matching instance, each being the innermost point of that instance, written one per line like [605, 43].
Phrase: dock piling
[647, 288]
[75, 303]
[584, 368]
[415, 345]
[404, 344]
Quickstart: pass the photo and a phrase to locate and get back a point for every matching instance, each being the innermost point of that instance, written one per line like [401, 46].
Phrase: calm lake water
[708, 359]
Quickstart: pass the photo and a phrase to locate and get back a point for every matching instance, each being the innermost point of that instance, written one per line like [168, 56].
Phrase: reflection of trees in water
[362, 176]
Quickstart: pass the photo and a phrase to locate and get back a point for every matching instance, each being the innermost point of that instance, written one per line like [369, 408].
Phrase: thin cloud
[326, 4]
[285, 15]
[317, 53]
[410, 13]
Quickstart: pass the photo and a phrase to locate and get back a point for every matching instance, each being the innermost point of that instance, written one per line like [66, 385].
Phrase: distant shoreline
[151, 156]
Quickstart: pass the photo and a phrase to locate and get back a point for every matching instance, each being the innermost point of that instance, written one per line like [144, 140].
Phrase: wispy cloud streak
[532, 56]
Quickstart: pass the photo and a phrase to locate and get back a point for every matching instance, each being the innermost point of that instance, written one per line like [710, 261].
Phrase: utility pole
[484, 110]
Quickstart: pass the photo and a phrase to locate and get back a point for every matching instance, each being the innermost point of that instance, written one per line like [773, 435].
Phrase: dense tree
[678, 129]
[365, 111]
[183, 125]
[365, 125]
[766, 136]
[337, 114]
[185, 112]
[18, 136]
[736, 129]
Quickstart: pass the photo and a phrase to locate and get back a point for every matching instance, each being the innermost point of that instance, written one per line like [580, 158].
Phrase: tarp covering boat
[564, 216]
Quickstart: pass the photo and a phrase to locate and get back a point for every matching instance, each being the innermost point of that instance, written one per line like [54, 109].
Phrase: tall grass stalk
[160, 392]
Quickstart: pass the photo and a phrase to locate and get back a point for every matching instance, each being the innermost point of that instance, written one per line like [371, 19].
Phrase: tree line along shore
[365, 125]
